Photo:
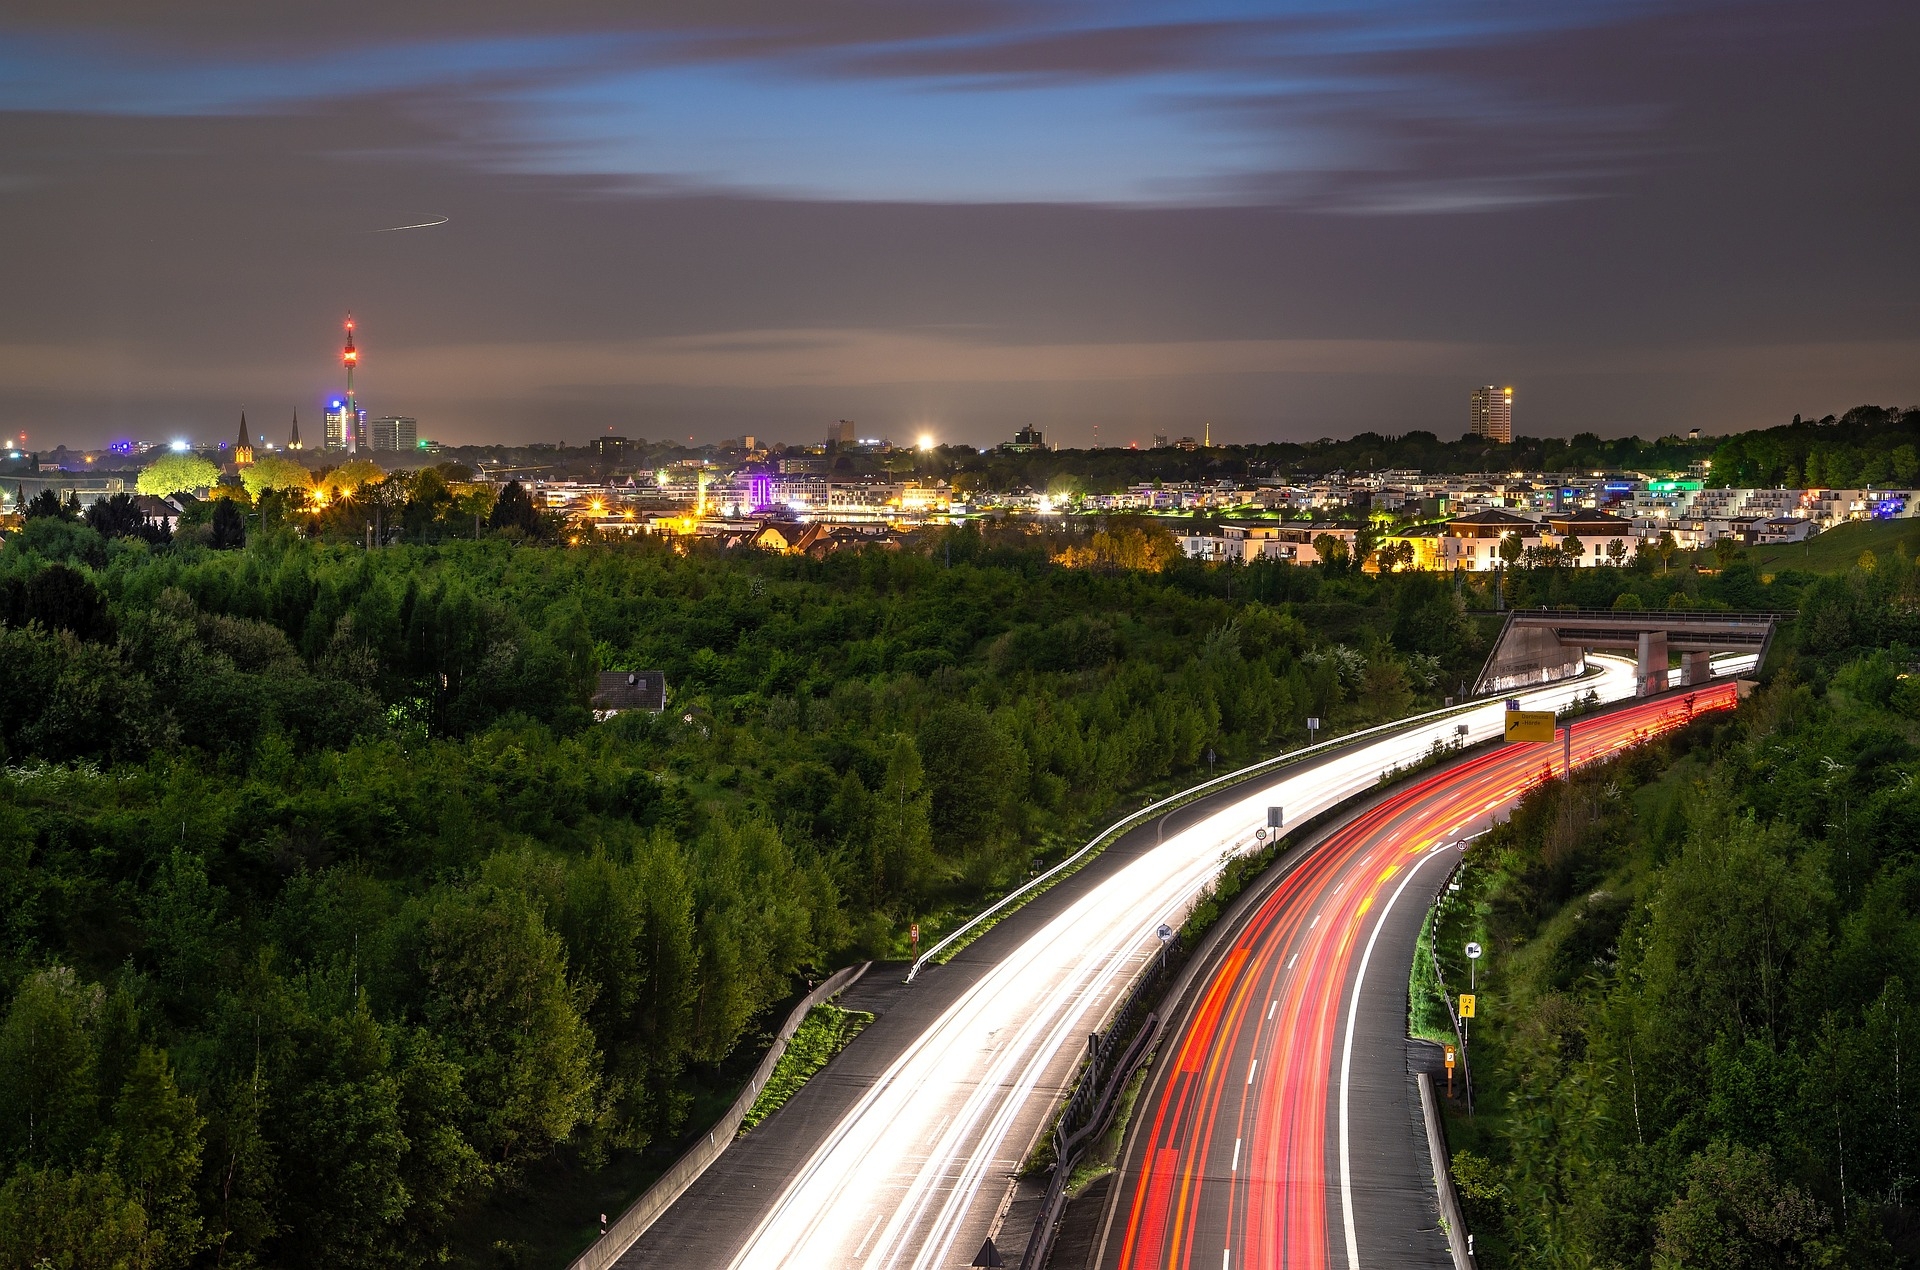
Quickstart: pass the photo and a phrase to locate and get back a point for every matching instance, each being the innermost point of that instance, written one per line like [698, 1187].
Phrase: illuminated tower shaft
[350, 358]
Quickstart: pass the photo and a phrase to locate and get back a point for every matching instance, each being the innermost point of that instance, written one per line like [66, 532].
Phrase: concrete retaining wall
[659, 1197]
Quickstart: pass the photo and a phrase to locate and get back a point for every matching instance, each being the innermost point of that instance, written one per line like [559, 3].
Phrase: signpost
[1466, 1005]
[1275, 818]
[1530, 725]
[1313, 728]
[913, 933]
[1449, 1071]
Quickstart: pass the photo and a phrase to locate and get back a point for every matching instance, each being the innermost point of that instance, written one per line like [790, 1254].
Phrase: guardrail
[1090, 1107]
[656, 1199]
[1173, 802]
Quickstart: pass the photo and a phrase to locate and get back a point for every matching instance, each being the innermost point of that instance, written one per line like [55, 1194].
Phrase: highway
[917, 1171]
[1277, 1129]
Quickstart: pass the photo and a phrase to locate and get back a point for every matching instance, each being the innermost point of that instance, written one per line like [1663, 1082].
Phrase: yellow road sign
[1466, 1005]
[1530, 725]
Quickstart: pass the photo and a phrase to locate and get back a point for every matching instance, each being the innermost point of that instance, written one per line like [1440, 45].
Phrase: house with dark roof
[621, 690]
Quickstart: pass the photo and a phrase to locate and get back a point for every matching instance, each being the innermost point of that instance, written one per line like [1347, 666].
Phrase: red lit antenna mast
[350, 358]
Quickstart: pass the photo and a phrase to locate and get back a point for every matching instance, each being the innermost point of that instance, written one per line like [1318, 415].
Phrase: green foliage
[328, 917]
[274, 472]
[177, 474]
[1695, 1012]
[824, 1032]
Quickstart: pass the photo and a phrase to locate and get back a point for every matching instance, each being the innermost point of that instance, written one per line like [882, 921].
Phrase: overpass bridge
[1538, 646]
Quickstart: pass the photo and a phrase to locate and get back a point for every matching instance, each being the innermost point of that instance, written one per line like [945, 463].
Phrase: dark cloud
[1705, 219]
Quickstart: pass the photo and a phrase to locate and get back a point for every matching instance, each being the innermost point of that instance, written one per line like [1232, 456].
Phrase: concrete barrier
[1450, 1213]
[658, 1198]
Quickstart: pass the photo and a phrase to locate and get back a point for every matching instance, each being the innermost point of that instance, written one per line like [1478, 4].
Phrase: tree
[514, 509]
[1573, 551]
[347, 479]
[76, 1221]
[1616, 553]
[1725, 549]
[1332, 551]
[969, 776]
[117, 516]
[155, 1148]
[177, 474]
[62, 598]
[497, 993]
[47, 504]
[1512, 548]
[229, 526]
[1735, 1214]
[900, 854]
[275, 472]
[1666, 548]
[49, 1105]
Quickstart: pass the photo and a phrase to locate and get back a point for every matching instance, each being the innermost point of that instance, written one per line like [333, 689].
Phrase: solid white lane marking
[1235, 1166]
[1346, 1072]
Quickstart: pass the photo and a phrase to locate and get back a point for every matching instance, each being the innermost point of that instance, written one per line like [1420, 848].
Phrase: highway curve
[917, 1169]
[1277, 1129]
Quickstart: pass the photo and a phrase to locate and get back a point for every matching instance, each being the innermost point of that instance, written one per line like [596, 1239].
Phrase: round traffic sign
[1473, 951]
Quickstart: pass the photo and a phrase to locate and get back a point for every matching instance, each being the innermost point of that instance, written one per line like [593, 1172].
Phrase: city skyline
[1281, 222]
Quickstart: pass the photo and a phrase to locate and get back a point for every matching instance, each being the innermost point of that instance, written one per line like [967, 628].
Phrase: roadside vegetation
[1697, 1017]
[825, 1031]
[334, 932]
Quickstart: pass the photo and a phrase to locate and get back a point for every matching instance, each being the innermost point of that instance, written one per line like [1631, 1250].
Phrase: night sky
[1284, 220]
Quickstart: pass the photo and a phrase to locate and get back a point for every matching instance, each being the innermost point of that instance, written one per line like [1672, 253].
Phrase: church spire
[243, 447]
[293, 442]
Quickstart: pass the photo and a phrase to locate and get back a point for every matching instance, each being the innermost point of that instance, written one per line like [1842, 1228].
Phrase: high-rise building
[1025, 441]
[1493, 414]
[395, 432]
[293, 441]
[609, 449]
[346, 425]
[841, 433]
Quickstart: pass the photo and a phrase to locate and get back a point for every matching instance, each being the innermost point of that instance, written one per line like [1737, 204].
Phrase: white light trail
[965, 1101]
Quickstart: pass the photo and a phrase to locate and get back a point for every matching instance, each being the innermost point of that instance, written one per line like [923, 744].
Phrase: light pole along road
[1276, 1129]
[916, 1172]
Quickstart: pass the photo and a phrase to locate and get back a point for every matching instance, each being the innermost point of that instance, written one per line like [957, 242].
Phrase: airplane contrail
[425, 224]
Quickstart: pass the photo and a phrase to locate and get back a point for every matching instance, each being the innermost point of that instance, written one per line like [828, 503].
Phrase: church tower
[243, 448]
[293, 442]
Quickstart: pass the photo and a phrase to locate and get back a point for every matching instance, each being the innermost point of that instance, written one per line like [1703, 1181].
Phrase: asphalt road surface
[914, 1166]
[1280, 1127]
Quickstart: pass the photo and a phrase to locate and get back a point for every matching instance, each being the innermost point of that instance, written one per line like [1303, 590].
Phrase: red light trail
[1246, 1160]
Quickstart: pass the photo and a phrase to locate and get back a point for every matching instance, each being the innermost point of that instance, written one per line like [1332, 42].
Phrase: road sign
[1275, 817]
[987, 1256]
[1449, 1056]
[1530, 725]
[1164, 934]
[1261, 834]
[913, 932]
[1466, 1005]
[1473, 951]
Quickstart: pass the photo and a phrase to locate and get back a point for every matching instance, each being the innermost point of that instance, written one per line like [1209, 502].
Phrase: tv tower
[351, 358]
